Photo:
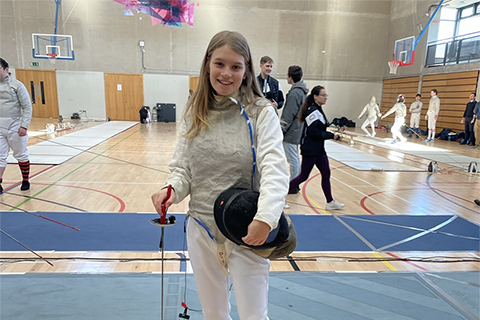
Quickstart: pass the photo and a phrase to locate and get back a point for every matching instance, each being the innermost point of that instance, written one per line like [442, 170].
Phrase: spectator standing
[270, 87]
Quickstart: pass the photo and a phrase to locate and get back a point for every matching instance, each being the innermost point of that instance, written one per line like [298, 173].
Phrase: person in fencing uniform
[415, 110]
[372, 111]
[400, 112]
[226, 122]
[15, 117]
[432, 115]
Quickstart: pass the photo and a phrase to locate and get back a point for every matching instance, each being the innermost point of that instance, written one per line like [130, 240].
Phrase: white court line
[365, 195]
[406, 239]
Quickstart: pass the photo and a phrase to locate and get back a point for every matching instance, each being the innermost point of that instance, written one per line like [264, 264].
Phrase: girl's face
[227, 70]
[321, 99]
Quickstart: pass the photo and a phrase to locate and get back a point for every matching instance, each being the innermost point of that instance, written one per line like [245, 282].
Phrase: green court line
[81, 166]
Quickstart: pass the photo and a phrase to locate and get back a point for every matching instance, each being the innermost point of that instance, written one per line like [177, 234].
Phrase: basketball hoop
[393, 66]
[52, 57]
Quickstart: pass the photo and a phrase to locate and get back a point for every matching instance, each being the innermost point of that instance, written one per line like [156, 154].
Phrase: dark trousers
[469, 135]
[323, 166]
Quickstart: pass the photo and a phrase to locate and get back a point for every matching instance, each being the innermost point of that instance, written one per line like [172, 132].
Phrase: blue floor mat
[133, 232]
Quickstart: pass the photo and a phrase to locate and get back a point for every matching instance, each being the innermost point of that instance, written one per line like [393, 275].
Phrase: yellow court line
[384, 262]
[317, 206]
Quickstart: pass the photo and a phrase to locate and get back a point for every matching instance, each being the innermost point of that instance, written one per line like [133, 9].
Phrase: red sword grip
[163, 217]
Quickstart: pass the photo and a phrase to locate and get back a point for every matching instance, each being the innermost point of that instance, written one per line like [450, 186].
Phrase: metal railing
[462, 49]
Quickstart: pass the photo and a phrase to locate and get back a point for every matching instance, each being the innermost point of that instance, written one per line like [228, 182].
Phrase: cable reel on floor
[433, 167]
[472, 167]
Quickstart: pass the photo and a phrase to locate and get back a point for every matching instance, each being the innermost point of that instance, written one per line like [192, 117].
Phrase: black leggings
[323, 166]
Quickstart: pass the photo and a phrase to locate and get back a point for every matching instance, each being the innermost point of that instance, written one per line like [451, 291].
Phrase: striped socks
[25, 169]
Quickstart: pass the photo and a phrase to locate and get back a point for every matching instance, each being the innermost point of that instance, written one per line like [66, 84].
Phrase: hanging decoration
[167, 12]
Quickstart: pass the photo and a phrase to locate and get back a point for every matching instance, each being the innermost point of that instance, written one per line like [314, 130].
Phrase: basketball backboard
[404, 51]
[45, 45]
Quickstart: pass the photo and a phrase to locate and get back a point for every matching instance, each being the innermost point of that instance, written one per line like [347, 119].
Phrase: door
[123, 96]
[193, 83]
[42, 87]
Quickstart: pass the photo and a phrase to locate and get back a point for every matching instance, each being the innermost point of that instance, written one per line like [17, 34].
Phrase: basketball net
[52, 57]
[393, 66]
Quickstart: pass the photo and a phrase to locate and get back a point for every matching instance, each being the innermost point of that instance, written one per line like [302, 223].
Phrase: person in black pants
[143, 114]
[467, 119]
[313, 144]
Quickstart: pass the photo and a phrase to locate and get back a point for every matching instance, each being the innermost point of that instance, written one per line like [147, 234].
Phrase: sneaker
[286, 206]
[334, 205]
[25, 185]
[297, 190]
[1, 188]
[426, 140]
[368, 135]
[373, 134]
[393, 142]
[430, 140]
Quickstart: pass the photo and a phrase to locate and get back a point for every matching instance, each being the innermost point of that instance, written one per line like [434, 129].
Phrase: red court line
[32, 176]
[304, 194]
[122, 204]
[304, 188]
[362, 202]
[409, 262]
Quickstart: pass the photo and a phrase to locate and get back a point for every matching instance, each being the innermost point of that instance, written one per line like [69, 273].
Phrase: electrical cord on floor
[435, 259]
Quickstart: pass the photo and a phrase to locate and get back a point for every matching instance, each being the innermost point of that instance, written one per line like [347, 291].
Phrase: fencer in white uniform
[415, 110]
[226, 122]
[432, 114]
[372, 111]
[15, 117]
[400, 112]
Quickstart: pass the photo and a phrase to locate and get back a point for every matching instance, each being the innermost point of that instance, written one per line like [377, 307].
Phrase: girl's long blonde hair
[197, 106]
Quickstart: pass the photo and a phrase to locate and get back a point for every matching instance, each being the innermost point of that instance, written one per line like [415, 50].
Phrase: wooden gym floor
[120, 174]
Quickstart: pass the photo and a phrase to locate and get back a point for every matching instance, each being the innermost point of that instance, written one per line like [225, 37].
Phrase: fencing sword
[413, 131]
[26, 247]
[163, 222]
[41, 216]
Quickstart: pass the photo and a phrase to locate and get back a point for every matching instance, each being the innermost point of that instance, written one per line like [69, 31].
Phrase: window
[469, 25]
[447, 13]
[467, 12]
[455, 36]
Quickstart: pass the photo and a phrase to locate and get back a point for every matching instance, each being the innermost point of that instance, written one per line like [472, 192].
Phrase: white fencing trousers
[431, 122]
[397, 126]
[371, 122]
[248, 271]
[9, 138]
[415, 120]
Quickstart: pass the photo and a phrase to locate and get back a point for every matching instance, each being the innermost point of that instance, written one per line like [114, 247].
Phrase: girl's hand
[257, 233]
[158, 197]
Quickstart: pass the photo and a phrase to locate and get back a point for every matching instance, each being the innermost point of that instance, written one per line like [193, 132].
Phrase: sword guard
[168, 222]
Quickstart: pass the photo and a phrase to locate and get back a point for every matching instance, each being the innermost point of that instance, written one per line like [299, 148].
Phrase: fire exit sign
[35, 64]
